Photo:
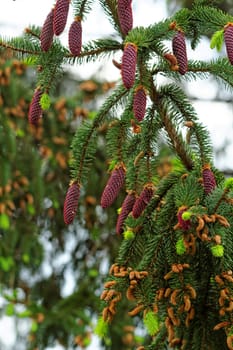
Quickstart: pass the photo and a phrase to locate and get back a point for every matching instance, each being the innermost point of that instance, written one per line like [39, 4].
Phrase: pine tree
[174, 265]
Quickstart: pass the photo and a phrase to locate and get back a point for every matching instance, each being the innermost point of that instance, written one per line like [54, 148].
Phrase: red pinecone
[209, 182]
[46, 35]
[125, 15]
[129, 62]
[179, 50]
[113, 186]
[60, 16]
[184, 224]
[35, 110]
[143, 200]
[71, 203]
[75, 37]
[139, 103]
[228, 38]
[126, 208]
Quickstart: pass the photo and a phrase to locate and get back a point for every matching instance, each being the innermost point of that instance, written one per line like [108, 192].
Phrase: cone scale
[139, 103]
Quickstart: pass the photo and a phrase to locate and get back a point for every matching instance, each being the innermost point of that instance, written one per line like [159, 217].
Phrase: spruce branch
[82, 8]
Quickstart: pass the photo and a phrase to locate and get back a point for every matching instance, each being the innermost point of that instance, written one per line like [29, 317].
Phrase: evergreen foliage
[174, 272]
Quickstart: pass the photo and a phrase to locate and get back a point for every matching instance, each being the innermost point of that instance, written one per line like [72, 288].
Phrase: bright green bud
[4, 221]
[101, 328]
[217, 40]
[217, 251]
[45, 101]
[119, 210]
[229, 183]
[128, 234]
[151, 322]
[186, 215]
[180, 247]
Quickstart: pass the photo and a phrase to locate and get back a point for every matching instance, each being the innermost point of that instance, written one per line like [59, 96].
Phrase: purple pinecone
[228, 38]
[125, 15]
[129, 62]
[71, 202]
[60, 16]
[126, 208]
[35, 110]
[139, 103]
[143, 200]
[179, 50]
[183, 224]
[113, 186]
[209, 182]
[75, 37]
[46, 35]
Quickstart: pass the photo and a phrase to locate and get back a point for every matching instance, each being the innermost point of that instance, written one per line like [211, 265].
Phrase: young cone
[71, 203]
[35, 110]
[125, 15]
[60, 16]
[129, 62]
[228, 38]
[184, 224]
[46, 35]
[126, 208]
[179, 50]
[209, 182]
[139, 103]
[75, 37]
[143, 200]
[113, 186]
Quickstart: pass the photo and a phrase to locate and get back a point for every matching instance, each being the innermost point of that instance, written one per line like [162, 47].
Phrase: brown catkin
[46, 35]
[126, 208]
[60, 16]
[125, 15]
[179, 50]
[228, 39]
[75, 37]
[35, 110]
[113, 186]
[129, 62]
[71, 203]
[139, 103]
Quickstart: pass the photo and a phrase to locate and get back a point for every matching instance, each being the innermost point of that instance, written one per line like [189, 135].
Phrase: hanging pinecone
[143, 200]
[75, 36]
[126, 208]
[183, 224]
[71, 202]
[209, 182]
[113, 186]
[129, 62]
[35, 110]
[179, 50]
[139, 103]
[125, 15]
[60, 16]
[228, 38]
[46, 35]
